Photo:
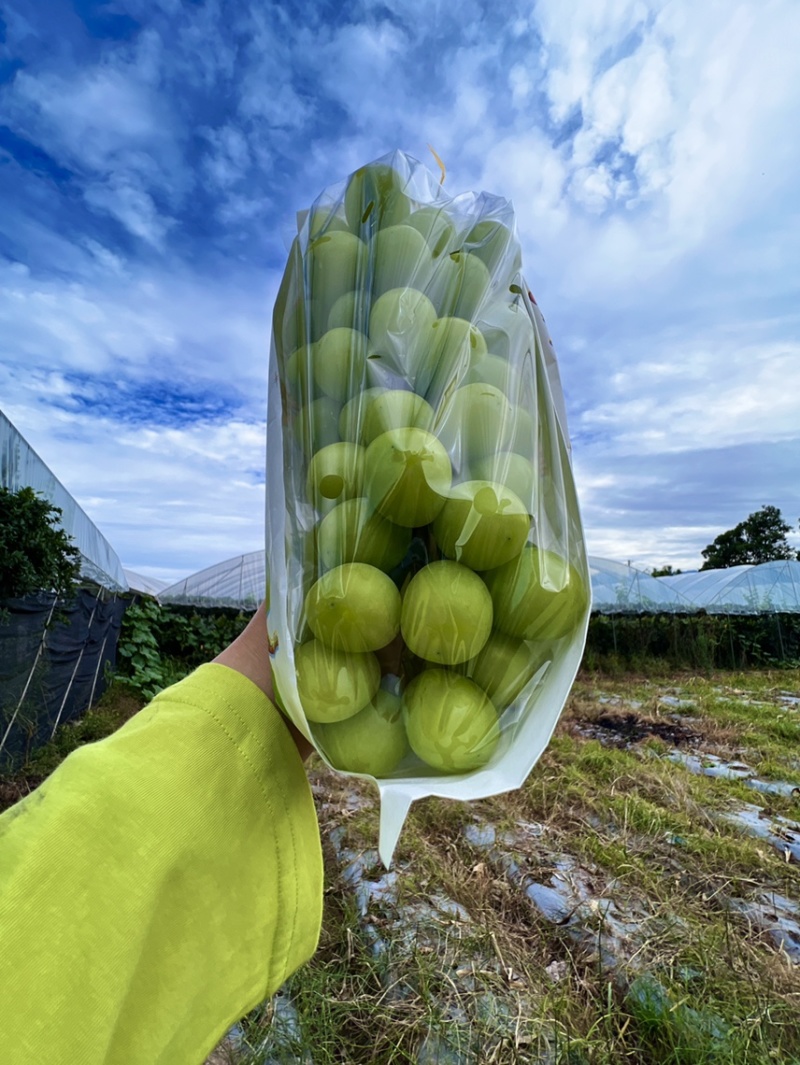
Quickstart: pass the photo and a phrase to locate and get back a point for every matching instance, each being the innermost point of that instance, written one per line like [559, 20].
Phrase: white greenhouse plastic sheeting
[773, 587]
[770, 588]
[21, 467]
[237, 582]
[142, 585]
[240, 582]
[621, 589]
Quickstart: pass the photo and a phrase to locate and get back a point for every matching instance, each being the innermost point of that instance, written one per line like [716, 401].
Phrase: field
[637, 901]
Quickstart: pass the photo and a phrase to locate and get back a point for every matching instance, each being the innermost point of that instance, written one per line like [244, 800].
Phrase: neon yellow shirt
[158, 884]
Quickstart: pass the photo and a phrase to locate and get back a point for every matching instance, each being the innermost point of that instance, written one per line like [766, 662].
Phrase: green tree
[759, 538]
[36, 554]
[665, 571]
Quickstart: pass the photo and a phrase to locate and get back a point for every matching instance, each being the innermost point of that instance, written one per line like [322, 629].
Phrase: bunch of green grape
[415, 446]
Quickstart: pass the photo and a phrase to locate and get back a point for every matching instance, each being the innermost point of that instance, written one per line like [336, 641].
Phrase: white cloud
[143, 324]
[229, 159]
[532, 174]
[593, 187]
[693, 404]
[521, 83]
[133, 207]
[695, 101]
[90, 116]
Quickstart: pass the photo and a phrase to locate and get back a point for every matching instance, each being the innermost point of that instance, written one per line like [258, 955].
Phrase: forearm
[159, 883]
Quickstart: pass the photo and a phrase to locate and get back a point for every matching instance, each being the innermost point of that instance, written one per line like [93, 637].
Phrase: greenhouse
[772, 587]
[621, 589]
[55, 655]
[238, 582]
[21, 467]
[141, 585]
[768, 588]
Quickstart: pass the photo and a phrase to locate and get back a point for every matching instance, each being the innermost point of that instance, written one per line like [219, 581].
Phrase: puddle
[779, 832]
[775, 787]
[710, 765]
[381, 894]
[776, 916]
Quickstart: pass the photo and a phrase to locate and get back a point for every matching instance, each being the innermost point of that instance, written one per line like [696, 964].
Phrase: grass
[694, 982]
[653, 966]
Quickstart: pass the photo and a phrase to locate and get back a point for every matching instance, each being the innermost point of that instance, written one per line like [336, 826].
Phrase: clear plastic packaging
[428, 586]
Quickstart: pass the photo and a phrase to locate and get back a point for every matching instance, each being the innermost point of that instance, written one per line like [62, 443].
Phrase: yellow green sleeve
[159, 884]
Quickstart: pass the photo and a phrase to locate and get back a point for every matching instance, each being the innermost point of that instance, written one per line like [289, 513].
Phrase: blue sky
[153, 156]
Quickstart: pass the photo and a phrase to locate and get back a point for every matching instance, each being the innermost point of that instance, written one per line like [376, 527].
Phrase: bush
[158, 645]
[618, 642]
[35, 553]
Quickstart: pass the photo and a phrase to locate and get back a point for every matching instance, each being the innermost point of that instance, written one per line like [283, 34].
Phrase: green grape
[350, 311]
[402, 259]
[395, 409]
[476, 421]
[340, 362]
[336, 263]
[456, 345]
[400, 324]
[288, 319]
[373, 741]
[446, 616]
[408, 475]
[335, 473]
[496, 371]
[460, 285]
[482, 525]
[354, 532]
[504, 666]
[537, 596]
[333, 685]
[451, 724]
[512, 470]
[435, 226]
[351, 419]
[354, 607]
[325, 219]
[299, 373]
[375, 198]
[496, 245]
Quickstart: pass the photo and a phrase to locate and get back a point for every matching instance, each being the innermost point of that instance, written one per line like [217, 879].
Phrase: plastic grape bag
[428, 588]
